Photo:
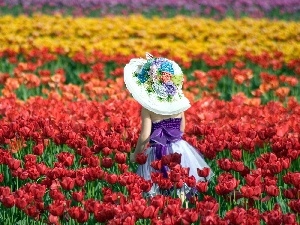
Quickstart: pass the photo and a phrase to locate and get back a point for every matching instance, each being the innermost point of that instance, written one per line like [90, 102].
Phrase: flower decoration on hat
[159, 77]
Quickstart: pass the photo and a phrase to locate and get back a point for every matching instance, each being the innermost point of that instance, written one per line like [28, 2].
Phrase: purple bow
[162, 137]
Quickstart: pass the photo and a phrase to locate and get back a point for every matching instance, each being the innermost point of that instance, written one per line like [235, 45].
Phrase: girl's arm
[144, 135]
[182, 125]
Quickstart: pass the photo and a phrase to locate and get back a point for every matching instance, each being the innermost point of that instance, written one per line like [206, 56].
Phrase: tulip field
[68, 123]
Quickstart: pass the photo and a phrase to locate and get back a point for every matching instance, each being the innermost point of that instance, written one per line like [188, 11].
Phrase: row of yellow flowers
[136, 34]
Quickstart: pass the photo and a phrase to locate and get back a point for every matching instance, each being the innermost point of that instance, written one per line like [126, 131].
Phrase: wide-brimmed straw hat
[156, 83]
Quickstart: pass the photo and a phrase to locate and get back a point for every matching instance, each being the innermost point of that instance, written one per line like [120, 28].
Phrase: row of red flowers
[59, 150]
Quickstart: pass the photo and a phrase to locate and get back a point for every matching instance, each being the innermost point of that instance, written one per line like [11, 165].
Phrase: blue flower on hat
[166, 66]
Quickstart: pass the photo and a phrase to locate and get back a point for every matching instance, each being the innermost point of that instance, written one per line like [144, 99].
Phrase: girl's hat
[156, 83]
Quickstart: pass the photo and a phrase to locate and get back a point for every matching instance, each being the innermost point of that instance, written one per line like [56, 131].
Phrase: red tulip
[289, 218]
[207, 206]
[21, 203]
[53, 219]
[112, 178]
[66, 158]
[106, 151]
[236, 154]
[67, 183]
[251, 191]
[236, 216]
[14, 164]
[1, 177]
[38, 149]
[146, 185]
[150, 212]
[107, 162]
[273, 217]
[175, 158]
[8, 201]
[226, 184]
[32, 211]
[74, 212]
[202, 186]
[254, 179]
[141, 158]
[56, 208]
[78, 195]
[203, 172]
[166, 159]
[224, 164]
[295, 205]
[56, 195]
[164, 184]
[120, 158]
[189, 217]
[190, 181]
[272, 190]
[237, 166]
[156, 164]
[158, 201]
[33, 173]
[292, 193]
[175, 176]
[83, 216]
[42, 168]
[123, 168]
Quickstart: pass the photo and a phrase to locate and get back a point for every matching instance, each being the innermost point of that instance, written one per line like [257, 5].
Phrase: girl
[156, 83]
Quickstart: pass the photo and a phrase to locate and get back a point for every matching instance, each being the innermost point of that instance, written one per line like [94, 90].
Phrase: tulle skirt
[190, 158]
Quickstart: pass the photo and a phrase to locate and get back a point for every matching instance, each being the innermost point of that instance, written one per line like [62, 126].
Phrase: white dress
[166, 139]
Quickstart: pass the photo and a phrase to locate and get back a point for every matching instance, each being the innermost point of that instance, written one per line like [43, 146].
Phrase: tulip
[175, 176]
[236, 154]
[175, 158]
[107, 162]
[251, 191]
[57, 207]
[202, 186]
[203, 172]
[66, 158]
[112, 178]
[38, 149]
[78, 196]
[67, 183]
[273, 217]
[295, 205]
[224, 164]
[291, 193]
[53, 219]
[32, 211]
[106, 151]
[14, 164]
[8, 201]
[150, 212]
[190, 181]
[236, 216]
[120, 158]
[156, 164]
[141, 158]
[21, 203]
[226, 184]
[289, 218]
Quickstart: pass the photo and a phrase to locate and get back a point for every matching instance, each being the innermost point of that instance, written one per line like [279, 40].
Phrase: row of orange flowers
[259, 77]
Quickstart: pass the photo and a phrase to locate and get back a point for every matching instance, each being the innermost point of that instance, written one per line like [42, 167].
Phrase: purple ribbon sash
[162, 137]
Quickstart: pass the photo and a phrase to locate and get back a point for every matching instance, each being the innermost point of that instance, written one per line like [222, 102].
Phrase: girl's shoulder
[158, 117]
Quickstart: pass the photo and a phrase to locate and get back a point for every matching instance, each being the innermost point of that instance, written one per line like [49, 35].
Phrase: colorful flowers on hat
[158, 76]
